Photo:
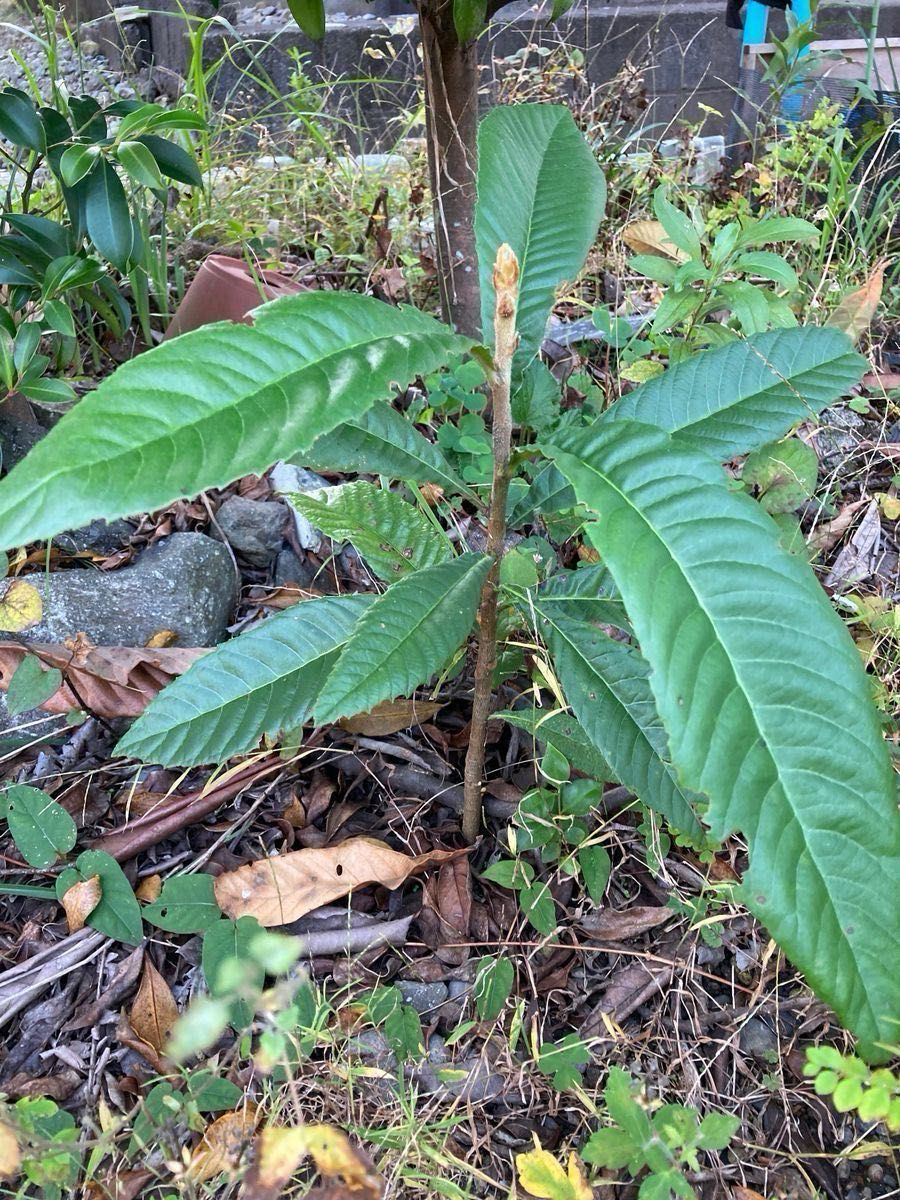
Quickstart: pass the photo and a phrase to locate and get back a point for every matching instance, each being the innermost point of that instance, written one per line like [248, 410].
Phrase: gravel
[84, 71]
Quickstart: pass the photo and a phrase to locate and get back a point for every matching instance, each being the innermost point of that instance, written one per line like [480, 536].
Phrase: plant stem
[506, 288]
[450, 71]
[27, 889]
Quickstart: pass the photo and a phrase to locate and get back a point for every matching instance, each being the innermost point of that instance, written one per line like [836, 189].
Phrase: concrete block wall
[690, 59]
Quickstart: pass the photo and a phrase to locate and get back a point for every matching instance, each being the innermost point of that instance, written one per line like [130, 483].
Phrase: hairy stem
[506, 286]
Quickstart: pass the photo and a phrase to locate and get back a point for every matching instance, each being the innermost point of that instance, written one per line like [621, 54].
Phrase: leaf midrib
[63, 472]
[244, 696]
[523, 266]
[654, 753]
[366, 679]
[763, 740]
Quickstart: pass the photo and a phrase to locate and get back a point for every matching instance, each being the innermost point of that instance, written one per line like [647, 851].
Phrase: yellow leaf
[80, 901]
[856, 309]
[279, 1152]
[541, 1175]
[9, 1153]
[649, 237]
[280, 889]
[222, 1145]
[160, 639]
[889, 505]
[20, 606]
[641, 370]
[580, 1187]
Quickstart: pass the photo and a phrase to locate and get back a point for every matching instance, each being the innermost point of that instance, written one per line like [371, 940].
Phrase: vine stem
[506, 293]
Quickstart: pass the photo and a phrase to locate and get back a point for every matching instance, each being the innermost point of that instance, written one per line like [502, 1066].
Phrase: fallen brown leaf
[223, 1144]
[121, 1185]
[9, 1153]
[80, 900]
[280, 889]
[855, 311]
[742, 1193]
[390, 717]
[884, 381]
[55, 1087]
[857, 559]
[649, 237]
[149, 889]
[279, 1152]
[112, 681]
[829, 533]
[618, 925]
[154, 1011]
[431, 493]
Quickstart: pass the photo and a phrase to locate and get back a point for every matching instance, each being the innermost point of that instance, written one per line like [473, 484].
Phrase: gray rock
[837, 437]
[31, 725]
[17, 437]
[253, 528]
[287, 477]
[372, 1045]
[758, 1040]
[480, 1083]
[103, 537]
[185, 584]
[437, 1050]
[423, 997]
[289, 569]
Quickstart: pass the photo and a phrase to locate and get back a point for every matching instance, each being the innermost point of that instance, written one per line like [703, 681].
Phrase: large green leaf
[766, 704]
[541, 191]
[310, 16]
[586, 594]
[265, 680]
[390, 533]
[107, 214]
[215, 404]
[407, 635]
[383, 442]
[561, 731]
[730, 400]
[607, 684]
[549, 492]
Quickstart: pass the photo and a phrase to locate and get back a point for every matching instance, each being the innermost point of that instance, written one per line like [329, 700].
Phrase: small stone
[371, 1044]
[185, 584]
[480, 1083]
[253, 528]
[437, 1050]
[17, 437]
[288, 477]
[423, 997]
[710, 956]
[103, 537]
[292, 571]
[837, 437]
[758, 1040]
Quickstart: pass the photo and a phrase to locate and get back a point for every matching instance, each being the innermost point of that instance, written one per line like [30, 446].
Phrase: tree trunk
[451, 110]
